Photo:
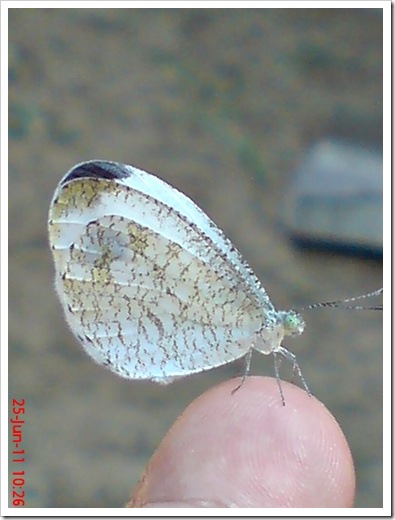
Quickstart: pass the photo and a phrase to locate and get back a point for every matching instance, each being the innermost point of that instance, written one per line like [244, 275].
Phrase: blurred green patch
[25, 119]
[314, 58]
[20, 120]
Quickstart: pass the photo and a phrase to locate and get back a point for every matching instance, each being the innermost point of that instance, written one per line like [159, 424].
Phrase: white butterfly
[149, 284]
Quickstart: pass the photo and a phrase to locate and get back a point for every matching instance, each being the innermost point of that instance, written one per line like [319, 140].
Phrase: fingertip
[248, 450]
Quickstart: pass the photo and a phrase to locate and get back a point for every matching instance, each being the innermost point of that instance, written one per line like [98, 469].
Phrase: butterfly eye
[293, 324]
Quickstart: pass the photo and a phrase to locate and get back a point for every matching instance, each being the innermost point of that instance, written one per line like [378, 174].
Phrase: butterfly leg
[295, 366]
[277, 363]
[246, 369]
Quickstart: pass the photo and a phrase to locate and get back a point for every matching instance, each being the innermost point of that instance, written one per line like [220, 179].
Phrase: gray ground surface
[220, 103]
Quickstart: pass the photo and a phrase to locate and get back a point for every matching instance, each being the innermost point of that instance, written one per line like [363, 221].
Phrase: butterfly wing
[148, 291]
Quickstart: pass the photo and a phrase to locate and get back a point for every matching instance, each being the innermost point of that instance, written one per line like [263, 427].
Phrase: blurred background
[224, 104]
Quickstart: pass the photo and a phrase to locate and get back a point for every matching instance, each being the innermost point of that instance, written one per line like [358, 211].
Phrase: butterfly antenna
[340, 303]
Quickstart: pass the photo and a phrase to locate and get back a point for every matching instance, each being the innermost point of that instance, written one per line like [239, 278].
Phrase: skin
[248, 450]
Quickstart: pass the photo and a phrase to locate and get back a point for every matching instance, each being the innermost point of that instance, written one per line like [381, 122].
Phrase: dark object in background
[336, 199]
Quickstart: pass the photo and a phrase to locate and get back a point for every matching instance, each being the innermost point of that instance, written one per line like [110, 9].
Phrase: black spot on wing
[97, 170]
